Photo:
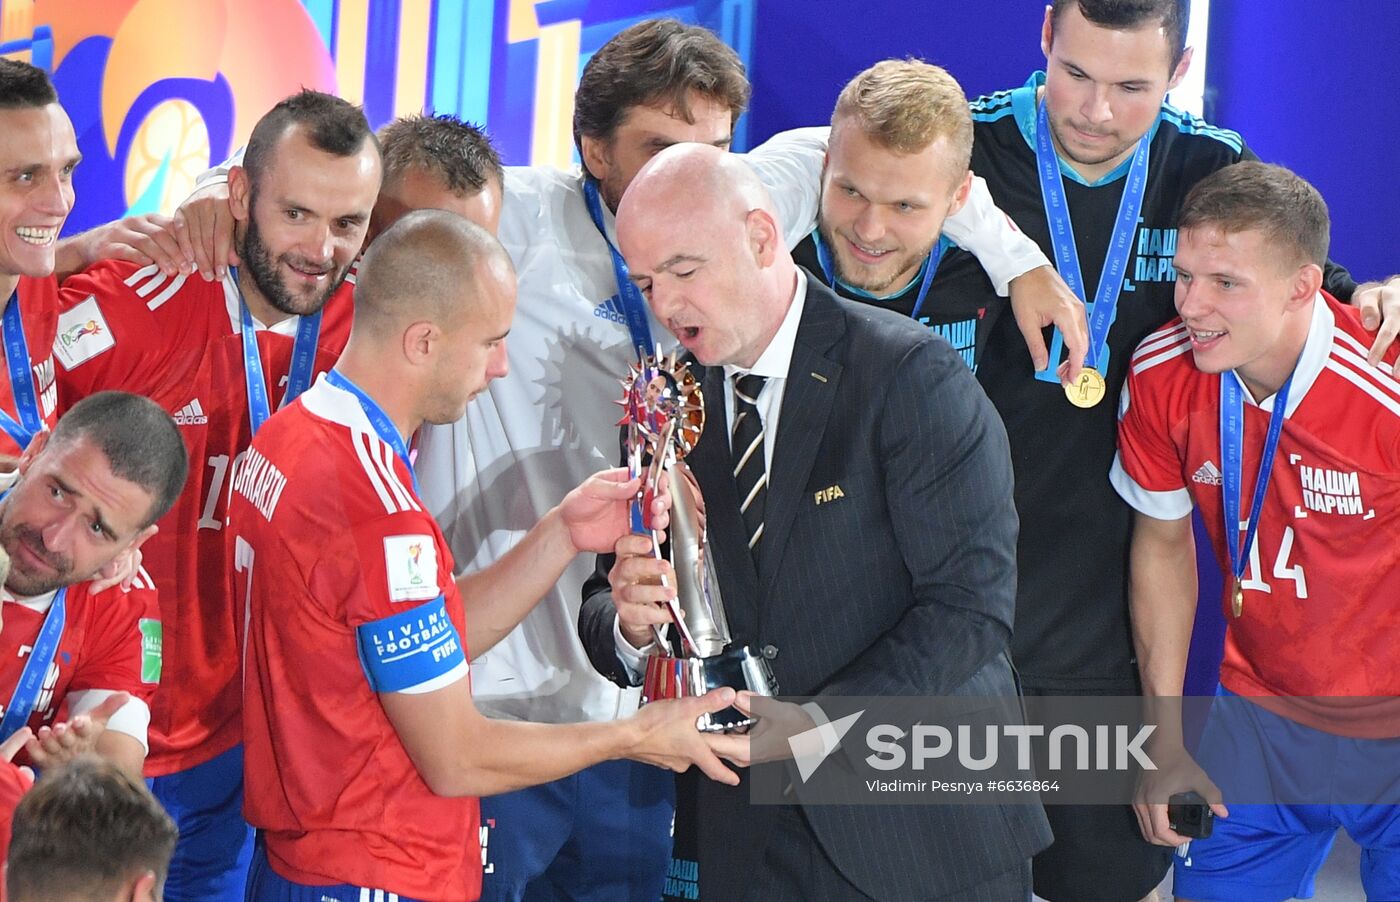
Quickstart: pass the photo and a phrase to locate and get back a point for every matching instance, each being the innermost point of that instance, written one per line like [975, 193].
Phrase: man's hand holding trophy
[661, 586]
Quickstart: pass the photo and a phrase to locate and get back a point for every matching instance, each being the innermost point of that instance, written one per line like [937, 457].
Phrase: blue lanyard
[21, 380]
[1231, 440]
[298, 377]
[930, 267]
[31, 679]
[383, 426]
[634, 306]
[1120, 245]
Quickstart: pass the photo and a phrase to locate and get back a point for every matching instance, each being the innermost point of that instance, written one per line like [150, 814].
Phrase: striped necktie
[750, 473]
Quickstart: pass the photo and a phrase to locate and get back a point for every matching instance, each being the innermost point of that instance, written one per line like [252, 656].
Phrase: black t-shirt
[1072, 627]
[959, 313]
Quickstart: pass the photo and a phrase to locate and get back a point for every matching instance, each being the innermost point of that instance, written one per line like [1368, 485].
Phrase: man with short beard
[73, 659]
[220, 356]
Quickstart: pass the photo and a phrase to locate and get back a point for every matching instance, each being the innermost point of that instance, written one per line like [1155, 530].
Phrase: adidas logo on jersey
[1207, 474]
[611, 310]
[192, 414]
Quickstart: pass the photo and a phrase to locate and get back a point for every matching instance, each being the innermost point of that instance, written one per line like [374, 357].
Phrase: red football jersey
[349, 592]
[111, 643]
[13, 785]
[38, 306]
[179, 342]
[1319, 627]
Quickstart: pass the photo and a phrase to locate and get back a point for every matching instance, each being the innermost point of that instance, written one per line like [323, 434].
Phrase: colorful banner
[160, 89]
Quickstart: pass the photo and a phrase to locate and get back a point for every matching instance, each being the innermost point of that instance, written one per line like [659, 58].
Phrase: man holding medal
[1258, 407]
[1090, 162]
[217, 355]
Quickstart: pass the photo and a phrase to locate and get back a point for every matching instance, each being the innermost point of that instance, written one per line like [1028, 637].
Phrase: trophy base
[740, 668]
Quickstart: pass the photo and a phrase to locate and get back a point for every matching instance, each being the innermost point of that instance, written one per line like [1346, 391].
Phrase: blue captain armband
[418, 649]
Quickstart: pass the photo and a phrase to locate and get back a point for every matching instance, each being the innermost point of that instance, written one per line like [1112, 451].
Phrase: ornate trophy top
[661, 396]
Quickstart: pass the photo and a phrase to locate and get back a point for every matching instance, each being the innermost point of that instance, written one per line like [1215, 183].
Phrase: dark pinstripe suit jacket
[903, 586]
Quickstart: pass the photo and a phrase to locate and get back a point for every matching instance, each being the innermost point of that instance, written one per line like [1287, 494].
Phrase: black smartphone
[1189, 815]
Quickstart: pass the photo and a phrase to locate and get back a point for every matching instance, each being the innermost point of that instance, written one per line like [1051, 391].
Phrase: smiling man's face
[303, 223]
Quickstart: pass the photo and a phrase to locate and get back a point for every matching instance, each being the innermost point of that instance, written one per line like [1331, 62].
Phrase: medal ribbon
[634, 306]
[1231, 442]
[21, 379]
[930, 267]
[298, 376]
[634, 309]
[31, 679]
[383, 426]
[1120, 245]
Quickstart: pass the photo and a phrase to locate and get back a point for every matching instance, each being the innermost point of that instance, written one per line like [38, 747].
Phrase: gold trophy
[665, 415]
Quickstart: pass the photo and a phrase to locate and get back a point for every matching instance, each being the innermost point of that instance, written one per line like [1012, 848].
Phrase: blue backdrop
[1309, 84]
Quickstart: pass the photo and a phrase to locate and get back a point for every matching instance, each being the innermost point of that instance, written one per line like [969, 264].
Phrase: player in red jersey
[15, 779]
[88, 492]
[302, 202]
[437, 162]
[1258, 407]
[364, 751]
[38, 152]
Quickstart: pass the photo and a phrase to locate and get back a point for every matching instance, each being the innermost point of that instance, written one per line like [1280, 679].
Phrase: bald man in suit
[901, 584]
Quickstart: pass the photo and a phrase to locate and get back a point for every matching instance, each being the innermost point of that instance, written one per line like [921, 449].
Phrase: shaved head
[430, 265]
[703, 241]
[433, 304]
[710, 185]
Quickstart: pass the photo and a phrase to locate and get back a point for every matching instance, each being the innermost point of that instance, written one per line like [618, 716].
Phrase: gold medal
[1237, 599]
[1088, 389]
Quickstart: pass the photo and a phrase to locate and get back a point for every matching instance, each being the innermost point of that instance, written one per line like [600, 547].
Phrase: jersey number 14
[1282, 568]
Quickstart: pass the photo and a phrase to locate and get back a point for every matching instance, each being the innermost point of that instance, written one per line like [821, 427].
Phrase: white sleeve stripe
[168, 293]
[141, 275]
[1149, 362]
[439, 682]
[386, 473]
[1341, 337]
[1159, 340]
[359, 440]
[381, 454]
[1356, 379]
[1361, 350]
[389, 458]
[1169, 505]
[132, 718]
[1375, 374]
[151, 285]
